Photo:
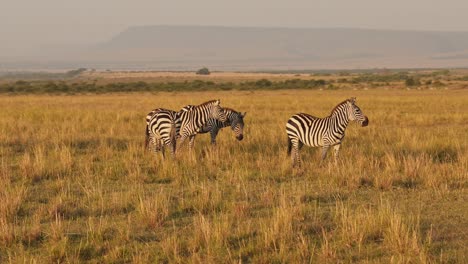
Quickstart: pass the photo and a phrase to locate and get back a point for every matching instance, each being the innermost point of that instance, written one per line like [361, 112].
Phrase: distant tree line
[66, 86]
[42, 75]
[63, 87]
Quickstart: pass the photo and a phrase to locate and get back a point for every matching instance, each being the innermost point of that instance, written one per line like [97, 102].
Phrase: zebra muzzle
[240, 137]
[365, 122]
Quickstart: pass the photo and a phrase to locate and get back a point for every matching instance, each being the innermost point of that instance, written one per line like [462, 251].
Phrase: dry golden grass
[77, 185]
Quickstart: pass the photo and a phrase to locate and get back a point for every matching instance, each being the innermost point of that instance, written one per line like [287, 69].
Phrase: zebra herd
[164, 127]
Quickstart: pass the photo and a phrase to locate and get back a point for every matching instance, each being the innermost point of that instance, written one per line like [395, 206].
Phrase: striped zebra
[304, 129]
[161, 130]
[234, 119]
[194, 118]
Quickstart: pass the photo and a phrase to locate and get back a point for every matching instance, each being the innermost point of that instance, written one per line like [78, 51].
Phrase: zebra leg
[191, 141]
[295, 158]
[299, 147]
[190, 145]
[163, 151]
[182, 139]
[157, 145]
[336, 148]
[173, 146]
[324, 152]
[214, 133]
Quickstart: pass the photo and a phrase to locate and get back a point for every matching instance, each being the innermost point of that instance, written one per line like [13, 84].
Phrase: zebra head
[215, 111]
[355, 113]
[237, 124]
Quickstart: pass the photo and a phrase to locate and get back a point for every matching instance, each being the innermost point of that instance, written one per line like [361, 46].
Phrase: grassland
[77, 185]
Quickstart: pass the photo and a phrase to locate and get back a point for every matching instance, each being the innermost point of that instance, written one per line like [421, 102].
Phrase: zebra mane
[191, 107]
[188, 108]
[227, 109]
[206, 103]
[339, 105]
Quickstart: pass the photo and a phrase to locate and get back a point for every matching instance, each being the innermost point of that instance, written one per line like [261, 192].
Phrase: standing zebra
[234, 119]
[161, 129]
[163, 126]
[322, 132]
[194, 118]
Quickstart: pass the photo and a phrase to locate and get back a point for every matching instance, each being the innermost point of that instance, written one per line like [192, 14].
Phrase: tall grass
[78, 186]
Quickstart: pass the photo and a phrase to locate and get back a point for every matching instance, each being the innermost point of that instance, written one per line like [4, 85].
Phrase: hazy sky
[27, 25]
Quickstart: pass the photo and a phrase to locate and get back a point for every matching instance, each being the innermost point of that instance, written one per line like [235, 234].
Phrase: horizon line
[295, 27]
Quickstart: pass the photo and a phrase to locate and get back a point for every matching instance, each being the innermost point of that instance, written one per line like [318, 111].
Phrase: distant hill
[243, 48]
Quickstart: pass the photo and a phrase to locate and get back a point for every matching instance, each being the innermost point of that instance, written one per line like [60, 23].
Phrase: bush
[463, 78]
[411, 82]
[441, 73]
[263, 83]
[438, 83]
[203, 71]
[74, 73]
[369, 77]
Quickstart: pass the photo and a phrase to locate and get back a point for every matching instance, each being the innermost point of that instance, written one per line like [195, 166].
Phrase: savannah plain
[78, 186]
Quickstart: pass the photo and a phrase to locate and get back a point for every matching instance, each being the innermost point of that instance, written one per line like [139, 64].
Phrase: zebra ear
[352, 100]
[217, 102]
[243, 115]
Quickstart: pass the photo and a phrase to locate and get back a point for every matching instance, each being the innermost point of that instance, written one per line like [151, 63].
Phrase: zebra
[322, 132]
[234, 119]
[194, 118]
[163, 126]
[161, 129]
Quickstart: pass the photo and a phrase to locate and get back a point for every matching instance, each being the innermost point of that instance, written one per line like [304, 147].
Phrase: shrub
[463, 78]
[263, 83]
[411, 82]
[203, 71]
[74, 73]
[369, 77]
[441, 73]
[438, 83]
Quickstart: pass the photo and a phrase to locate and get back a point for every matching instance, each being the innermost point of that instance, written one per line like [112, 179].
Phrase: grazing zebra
[194, 118]
[234, 119]
[161, 129]
[322, 132]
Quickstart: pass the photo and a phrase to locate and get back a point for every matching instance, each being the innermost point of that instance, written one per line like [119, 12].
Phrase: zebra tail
[289, 146]
[146, 137]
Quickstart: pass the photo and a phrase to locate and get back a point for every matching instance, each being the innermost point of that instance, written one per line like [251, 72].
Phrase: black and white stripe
[234, 119]
[149, 138]
[194, 118]
[161, 130]
[304, 129]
